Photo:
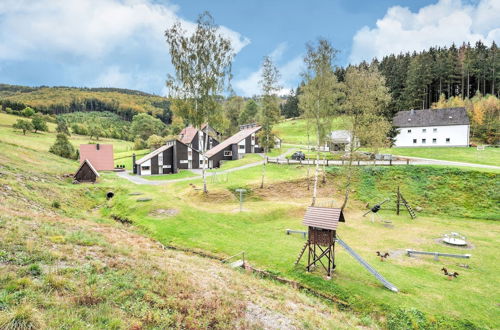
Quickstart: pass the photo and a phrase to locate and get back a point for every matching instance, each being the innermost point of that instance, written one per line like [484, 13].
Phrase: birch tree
[202, 62]
[270, 110]
[366, 100]
[321, 96]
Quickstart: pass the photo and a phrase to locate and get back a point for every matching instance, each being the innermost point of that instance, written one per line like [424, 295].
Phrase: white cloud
[289, 72]
[440, 24]
[90, 28]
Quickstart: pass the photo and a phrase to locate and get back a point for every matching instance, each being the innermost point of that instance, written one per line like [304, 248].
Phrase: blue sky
[120, 43]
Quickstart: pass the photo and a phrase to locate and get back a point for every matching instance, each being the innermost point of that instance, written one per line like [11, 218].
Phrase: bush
[23, 125]
[62, 147]
[35, 270]
[62, 126]
[28, 112]
[139, 144]
[56, 204]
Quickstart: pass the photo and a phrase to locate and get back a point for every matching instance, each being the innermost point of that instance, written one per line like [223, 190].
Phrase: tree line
[419, 79]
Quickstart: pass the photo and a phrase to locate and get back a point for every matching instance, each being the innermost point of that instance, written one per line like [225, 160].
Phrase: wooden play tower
[320, 245]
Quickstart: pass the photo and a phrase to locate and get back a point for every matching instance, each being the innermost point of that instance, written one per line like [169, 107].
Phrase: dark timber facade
[235, 147]
[168, 159]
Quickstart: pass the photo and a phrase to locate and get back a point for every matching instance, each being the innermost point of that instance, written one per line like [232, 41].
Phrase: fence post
[390, 162]
[358, 162]
[288, 161]
[407, 161]
[327, 162]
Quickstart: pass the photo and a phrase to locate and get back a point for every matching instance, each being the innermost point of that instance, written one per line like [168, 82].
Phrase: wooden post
[390, 162]
[397, 203]
[407, 161]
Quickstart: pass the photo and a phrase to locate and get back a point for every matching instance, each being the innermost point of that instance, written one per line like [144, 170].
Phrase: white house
[432, 128]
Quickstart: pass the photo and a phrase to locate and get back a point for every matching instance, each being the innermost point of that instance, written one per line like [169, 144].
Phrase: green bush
[62, 147]
[35, 270]
[56, 204]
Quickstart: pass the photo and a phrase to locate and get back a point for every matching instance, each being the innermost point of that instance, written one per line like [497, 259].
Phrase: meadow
[179, 214]
[213, 223]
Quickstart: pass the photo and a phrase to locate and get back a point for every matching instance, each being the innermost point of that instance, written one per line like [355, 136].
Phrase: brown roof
[152, 154]
[323, 217]
[187, 134]
[236, 138]
[100, 155]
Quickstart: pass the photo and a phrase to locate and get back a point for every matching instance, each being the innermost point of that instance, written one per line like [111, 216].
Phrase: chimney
[134, 165]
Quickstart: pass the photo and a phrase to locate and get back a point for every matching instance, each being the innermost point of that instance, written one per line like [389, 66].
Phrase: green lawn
[212, 223]
[295, 131]
[43, 140]
[489, 156]
[180, 175]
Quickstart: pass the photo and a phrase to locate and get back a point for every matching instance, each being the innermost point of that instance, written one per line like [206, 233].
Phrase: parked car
[298, 155]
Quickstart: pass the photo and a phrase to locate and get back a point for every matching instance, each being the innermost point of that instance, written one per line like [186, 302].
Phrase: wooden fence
[335, 162]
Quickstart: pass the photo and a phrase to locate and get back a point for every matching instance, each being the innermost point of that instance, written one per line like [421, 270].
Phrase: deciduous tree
[23, 125]
[202, 62]
[321, 96]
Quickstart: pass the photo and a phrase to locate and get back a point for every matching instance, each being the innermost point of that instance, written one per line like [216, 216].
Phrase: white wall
[146, 163]
[458, 135]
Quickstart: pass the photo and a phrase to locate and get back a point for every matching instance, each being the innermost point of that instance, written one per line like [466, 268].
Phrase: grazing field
[489, 156]
[43, 140]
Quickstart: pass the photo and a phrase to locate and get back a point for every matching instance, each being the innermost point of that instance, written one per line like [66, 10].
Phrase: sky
[120, 43]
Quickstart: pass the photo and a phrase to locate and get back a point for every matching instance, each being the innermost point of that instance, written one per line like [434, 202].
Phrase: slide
[372, 270]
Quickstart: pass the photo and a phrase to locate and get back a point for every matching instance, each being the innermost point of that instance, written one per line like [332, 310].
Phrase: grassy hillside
[295, 131]
[125, 281]
[43, 140]
[489, 156]
[57, 100]
[63, 265]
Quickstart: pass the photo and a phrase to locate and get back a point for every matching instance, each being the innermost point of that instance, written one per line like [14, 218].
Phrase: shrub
[62, 147]
[24, 317]
[139, 144]
[56, 204]
[28, 112]
[35, 270]
[9, 111]
[23, 125]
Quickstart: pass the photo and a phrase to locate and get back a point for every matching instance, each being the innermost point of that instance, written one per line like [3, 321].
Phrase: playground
[213, 224]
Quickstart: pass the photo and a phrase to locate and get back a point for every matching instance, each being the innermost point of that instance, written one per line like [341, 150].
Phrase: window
[145, 168]
[228, 153]
[242, 146]
[409, 131]
[414, 141]
[160, 158]
[424, 130]
[190, 153]
[434, 130]
[434, 140]
[423, 141]
[201, 161]
[253, 137]
[447, 140]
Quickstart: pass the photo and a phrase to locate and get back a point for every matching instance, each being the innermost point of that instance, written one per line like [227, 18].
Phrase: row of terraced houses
[185, 151]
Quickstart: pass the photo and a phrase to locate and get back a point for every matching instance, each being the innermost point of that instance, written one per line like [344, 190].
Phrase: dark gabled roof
[153, 153]
[236, 138]
[431, 117]
[323, 217]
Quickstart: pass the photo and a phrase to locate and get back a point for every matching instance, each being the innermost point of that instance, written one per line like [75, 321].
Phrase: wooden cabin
[322, 223]
[86, 172]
